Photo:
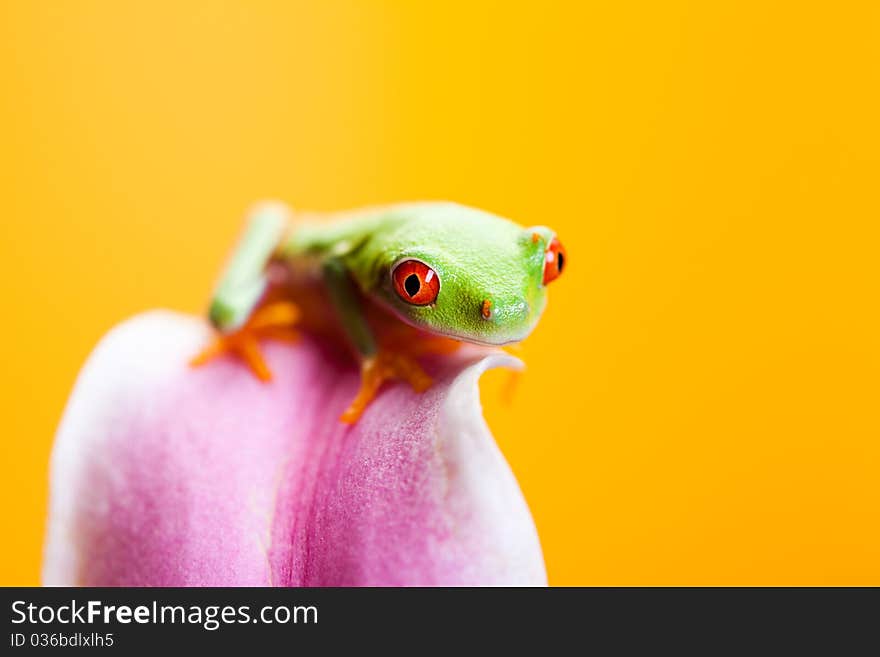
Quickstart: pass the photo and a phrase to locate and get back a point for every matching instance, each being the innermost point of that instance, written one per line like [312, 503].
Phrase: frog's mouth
[490, 325]
[488, 334]
[488, 341]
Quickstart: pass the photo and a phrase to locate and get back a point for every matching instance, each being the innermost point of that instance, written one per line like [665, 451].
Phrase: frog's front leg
[377, 365]
[235, 309]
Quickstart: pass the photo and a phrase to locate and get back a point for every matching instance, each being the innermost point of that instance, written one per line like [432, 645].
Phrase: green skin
[478, 256]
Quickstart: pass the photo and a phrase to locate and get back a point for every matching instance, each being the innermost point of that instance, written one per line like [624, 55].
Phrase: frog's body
[398, 280]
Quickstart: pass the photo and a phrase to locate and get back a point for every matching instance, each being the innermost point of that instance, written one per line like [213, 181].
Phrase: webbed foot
[274, 321]
[376, 370]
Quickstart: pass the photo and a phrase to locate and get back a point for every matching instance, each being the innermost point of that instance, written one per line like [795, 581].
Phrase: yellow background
[701, 404]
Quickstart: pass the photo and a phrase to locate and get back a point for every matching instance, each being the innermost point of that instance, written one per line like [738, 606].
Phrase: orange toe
[407, 369]
[273, 321]
[217, 347]
[248, 348]
[371, 380]
[376, 370]
[275, 315]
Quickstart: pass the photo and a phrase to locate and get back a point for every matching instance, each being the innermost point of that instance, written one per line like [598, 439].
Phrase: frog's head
[469, 275]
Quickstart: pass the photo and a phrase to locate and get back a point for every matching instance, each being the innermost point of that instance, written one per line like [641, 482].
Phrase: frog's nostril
[486, 309]
[514, 310]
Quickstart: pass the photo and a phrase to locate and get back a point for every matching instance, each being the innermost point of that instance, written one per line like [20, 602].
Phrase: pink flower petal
[167, 476]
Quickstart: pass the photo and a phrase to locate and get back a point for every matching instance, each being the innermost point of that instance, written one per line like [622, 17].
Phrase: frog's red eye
[415, 282]
[554, 261]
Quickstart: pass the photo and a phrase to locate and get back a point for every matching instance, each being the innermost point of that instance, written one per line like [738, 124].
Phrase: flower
[166, 476]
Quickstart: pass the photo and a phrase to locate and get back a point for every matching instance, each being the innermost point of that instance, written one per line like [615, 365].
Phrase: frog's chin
[500, 339]
[482, 341]
[497, 338]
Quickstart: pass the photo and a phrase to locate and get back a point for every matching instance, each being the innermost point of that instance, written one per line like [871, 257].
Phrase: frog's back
[391, 227]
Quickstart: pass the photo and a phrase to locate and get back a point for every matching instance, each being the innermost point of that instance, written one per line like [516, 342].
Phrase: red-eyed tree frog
[396, 282]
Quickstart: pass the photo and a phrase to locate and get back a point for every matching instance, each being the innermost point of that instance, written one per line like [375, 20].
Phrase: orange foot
[274, 320]
[376, 370]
